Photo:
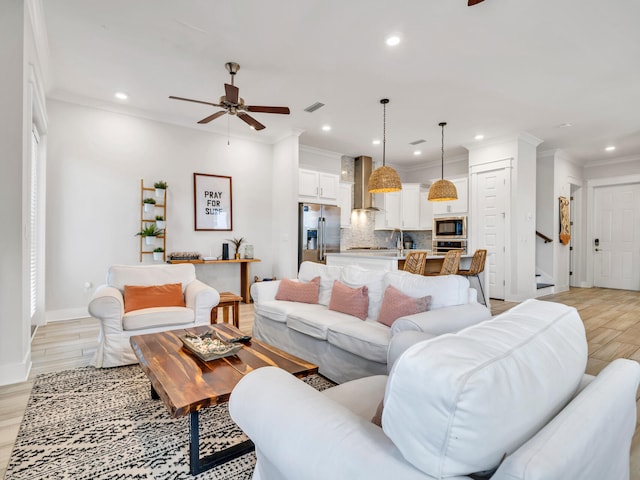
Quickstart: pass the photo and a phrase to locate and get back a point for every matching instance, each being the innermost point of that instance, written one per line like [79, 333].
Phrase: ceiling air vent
[314, 107]
[417, 142]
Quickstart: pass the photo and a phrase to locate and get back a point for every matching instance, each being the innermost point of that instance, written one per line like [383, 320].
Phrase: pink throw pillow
[352, 301]
[396, 304]
[299, 291]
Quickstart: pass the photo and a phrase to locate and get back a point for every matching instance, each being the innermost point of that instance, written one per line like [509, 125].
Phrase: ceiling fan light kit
[442, 190]
[384, 179]
[232, 104]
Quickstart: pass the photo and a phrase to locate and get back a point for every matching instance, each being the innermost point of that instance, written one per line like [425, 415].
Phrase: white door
[616, 237]
[491, 218]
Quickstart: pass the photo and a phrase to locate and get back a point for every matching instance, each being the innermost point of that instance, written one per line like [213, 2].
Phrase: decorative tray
[208, 347]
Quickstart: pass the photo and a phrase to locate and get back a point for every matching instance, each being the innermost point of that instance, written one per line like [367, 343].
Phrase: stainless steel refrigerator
[319, 231]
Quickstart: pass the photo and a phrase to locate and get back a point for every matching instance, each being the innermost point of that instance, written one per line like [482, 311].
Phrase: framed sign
[212, 202]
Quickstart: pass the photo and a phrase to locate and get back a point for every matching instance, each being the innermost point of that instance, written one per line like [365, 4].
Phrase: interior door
[616, 237]
[492, 203]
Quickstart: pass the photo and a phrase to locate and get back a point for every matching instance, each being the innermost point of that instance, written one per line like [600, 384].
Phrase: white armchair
[116, 326]
[454, 406]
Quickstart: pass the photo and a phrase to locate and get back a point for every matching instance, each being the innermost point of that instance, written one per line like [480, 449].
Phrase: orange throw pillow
[292, 291]
[137, 297]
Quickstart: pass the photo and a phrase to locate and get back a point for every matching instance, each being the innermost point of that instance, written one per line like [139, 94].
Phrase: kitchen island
[392, 259]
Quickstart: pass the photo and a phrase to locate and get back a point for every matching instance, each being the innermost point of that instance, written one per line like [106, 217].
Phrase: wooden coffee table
[187, 384]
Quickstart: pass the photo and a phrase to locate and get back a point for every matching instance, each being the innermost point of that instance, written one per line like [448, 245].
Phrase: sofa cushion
[445, 290]
[120, 275]
[457, 403]
[137, 297]
[355, 277]
[316, 322]
[309, 270]
[368, 339]
[157, 317]
[277, 310]
[298, 291]
[352, 301]
[396, 304]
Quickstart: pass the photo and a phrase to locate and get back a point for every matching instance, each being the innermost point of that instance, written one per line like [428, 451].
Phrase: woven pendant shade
[384, 179]
[442, 190]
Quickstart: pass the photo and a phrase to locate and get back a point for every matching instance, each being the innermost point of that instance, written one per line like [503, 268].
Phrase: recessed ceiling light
[326, 128]
[564, 125]
[393, 40]
[610, 148]
[121, 96]
[417, 152]
[376, 142]
[479, 137]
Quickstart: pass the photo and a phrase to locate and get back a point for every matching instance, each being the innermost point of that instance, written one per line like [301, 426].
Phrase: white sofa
[512, 388]
[116, 326]
[343, 346]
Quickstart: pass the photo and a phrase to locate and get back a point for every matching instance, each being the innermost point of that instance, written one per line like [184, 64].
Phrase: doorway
[615, 238]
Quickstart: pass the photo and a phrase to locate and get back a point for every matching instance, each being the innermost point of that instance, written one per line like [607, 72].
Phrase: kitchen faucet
[400, 241]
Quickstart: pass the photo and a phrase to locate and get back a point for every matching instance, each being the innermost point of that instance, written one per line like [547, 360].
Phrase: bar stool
[415, 261]
[450, 264]
[476, 267]
[227, 300]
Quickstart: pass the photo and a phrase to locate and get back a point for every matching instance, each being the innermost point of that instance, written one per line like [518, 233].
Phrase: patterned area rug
[102, 424]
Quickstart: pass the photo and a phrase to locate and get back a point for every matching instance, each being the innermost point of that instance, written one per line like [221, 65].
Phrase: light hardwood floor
[611, 318]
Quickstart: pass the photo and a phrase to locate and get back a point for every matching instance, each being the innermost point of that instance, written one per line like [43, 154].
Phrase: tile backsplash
[362, 234]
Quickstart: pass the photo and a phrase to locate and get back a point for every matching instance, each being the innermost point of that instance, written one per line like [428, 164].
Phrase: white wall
[454, 168]
[545, 201]
[95, 164]
[14, 322]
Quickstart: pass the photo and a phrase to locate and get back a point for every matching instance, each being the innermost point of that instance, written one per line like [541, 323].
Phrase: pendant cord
[442, 151]
[384, 132]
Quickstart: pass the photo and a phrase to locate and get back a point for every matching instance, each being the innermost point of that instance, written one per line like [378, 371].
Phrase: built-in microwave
[449, 227]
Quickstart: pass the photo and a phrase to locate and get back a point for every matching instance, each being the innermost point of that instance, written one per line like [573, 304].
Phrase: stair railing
[543, 237]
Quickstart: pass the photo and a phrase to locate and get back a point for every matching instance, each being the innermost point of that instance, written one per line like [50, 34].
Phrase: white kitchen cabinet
[456, 206]
[389, 214]
[345, 202]
[318, 187]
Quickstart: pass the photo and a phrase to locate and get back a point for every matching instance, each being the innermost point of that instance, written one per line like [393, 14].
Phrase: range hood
[363, 200]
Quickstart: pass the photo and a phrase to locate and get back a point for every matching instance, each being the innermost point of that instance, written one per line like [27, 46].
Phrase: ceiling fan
[232, 104]
[471, 3]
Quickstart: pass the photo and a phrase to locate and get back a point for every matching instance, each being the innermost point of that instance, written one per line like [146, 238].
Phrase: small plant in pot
[160, 223]
[236, 243]
[160, 187]
[158, 253]
[150, 232]
[149, 203]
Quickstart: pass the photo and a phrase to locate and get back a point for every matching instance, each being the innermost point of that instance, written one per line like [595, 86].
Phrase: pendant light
[384, 179]
[442, 190]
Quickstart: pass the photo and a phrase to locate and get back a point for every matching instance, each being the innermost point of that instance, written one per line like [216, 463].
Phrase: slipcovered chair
[506, 399]
[186, 301]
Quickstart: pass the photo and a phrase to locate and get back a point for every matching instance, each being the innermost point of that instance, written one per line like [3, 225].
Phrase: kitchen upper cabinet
[407, 209]
[318, 187]
[389, 215]
[345, 202]
[455, 206]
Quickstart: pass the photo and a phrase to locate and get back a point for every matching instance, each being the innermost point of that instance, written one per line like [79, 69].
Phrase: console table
[245, 277]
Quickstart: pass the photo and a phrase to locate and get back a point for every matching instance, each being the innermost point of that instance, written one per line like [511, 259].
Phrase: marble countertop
[385, 254]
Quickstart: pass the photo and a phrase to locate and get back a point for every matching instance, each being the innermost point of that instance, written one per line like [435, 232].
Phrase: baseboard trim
[67, 314]
[16, 372]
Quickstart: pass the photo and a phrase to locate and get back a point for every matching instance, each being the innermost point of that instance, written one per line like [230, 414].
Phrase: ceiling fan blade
[471, 3]
[231, 92]
[212, 117]
[248, 119]
[194, 101]
[282, 110]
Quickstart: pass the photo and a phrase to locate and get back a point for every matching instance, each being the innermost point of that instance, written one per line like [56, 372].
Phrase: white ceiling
[499, 68]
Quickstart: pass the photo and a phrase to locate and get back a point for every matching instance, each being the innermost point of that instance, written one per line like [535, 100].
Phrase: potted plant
[160, 223]
[149, 204]
[160, 187]
[150, 232]
[157, 253]
[236, 243]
